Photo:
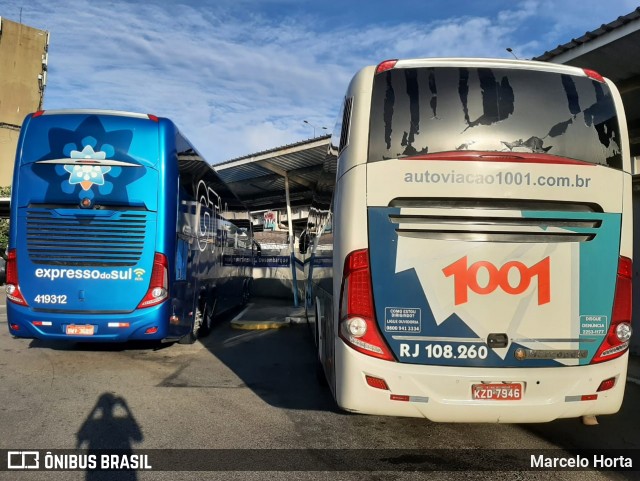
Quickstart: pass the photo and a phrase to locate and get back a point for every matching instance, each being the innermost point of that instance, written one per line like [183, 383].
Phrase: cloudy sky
[241, 76]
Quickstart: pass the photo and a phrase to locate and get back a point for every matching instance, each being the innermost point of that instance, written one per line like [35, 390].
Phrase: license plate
[73, 330]
[497, 392]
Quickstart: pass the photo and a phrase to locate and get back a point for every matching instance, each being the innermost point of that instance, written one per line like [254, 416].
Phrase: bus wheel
[192, 336]
[207, 321]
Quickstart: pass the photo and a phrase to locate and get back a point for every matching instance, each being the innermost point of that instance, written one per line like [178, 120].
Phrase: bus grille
[85, 240]
[495, 220]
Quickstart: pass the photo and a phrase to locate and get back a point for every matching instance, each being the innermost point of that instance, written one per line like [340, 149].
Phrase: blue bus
[118, 232]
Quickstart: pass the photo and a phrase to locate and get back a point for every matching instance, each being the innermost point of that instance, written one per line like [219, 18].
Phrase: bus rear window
[109, 139]
[89, 160]
[419, 111]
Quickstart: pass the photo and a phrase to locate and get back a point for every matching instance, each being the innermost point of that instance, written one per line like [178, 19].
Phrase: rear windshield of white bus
[420, 111]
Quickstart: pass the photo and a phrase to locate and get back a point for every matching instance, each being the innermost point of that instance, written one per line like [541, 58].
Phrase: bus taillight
[159, 285]
[592, 74]
[386, 65]
[358, 326]
[617, 340]
[13, 287]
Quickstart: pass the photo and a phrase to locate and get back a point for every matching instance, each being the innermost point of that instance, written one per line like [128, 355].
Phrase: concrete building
[23, 76]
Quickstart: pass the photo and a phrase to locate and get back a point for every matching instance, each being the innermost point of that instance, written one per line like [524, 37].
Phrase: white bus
[481, 226]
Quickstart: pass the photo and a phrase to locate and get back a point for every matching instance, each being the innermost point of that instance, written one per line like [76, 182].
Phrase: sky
[241, 76]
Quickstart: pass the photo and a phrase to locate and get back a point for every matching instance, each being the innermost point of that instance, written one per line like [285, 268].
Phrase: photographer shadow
[110, 427]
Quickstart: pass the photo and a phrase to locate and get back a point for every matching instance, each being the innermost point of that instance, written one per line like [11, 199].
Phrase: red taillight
[617, 340]
[592, 74]
[360, 298]
[358, 327]
[11, 267]
[13, 287]
[37, 114]
[386, 65]
[153, 117]
[159, 285]
[151, 330]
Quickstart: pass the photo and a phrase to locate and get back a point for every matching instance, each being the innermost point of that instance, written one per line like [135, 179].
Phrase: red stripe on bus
[520, 157]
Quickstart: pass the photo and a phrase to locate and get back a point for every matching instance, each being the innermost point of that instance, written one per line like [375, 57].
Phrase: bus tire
[194, 333]
[209, 316]
[321, 378]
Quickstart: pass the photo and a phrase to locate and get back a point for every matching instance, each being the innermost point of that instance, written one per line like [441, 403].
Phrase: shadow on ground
[99, 346]
[616, 431]
[279, 365]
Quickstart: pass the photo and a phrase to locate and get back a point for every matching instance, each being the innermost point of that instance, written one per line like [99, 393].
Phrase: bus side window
[186, 231]
[232, 235]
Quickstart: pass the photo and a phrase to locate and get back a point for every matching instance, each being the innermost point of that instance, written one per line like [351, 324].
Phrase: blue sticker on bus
[402, 319]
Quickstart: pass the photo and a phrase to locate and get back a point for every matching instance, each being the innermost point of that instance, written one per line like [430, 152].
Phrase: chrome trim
[497, 204]
[88, 162]
[510, 221]
[439, 339]
[533, 237]
[586, 339]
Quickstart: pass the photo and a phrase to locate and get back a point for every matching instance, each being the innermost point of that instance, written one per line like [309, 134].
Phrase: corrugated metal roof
[589, 36]
[612, 50]
[258, 179]
[277, 150]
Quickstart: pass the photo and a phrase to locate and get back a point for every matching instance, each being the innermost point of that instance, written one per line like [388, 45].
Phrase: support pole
[294, 276]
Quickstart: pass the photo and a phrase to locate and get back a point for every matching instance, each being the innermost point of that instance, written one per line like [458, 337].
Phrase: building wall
[23, 56]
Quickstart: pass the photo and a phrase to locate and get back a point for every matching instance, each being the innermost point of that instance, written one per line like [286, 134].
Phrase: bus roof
[120, 113]
[488, 63]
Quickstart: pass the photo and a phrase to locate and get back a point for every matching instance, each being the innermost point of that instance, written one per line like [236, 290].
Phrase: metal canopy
[612, 50]
[277, 178]
[259, 179]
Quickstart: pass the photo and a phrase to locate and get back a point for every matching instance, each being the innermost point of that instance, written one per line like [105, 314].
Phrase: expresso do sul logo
[465, 278]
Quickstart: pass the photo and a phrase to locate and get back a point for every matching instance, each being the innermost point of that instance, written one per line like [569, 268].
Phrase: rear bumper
[139, 321]
[444, 393]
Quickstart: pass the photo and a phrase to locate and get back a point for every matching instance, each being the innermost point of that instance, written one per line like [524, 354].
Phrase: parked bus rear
[483, 237]
[93, 196]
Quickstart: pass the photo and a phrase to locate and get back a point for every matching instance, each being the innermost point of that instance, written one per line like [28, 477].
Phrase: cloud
[238, 78]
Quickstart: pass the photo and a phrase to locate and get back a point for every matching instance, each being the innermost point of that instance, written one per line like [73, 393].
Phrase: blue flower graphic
[87, 175]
